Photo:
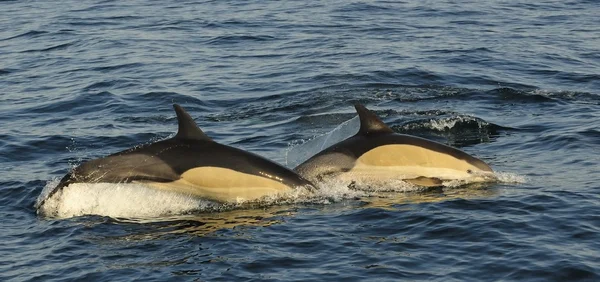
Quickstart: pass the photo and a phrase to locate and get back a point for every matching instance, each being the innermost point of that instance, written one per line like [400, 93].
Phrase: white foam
[139, 201]
[116, 200]
[450, 122]
[335, 190]
[442, 124]
[509, 177]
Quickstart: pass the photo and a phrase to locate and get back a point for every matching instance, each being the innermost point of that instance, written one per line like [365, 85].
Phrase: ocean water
[514, 83]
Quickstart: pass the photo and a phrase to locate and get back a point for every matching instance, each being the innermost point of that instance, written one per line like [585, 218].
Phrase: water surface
[512, 83]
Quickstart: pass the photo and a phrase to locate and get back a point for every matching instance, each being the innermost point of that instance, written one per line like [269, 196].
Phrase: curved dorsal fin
[187, 127]
[369, 122]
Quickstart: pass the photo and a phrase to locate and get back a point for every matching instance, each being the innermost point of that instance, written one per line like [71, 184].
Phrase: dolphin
[190, 163]
[376, 153]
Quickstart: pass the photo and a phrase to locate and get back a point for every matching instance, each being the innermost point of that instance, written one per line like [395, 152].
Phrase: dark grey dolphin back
[188, 129]
[370, 122]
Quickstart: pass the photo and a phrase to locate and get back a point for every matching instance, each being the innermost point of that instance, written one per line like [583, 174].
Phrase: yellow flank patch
[408, 155]
[223, 185]
[407, 161]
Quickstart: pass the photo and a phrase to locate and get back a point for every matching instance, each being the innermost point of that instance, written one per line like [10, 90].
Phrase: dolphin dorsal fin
[369, 122]
[187, 127]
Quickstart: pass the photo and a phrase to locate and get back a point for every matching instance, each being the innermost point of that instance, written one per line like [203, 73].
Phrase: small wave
[116, 67]
[563, 141]
[155, 119]
[81, 103]
[454, 123]
[523, 96]
[460, 130]
[169, 97]
[7, 71]
[109, 84]
[29, 150]
[571, 96]
[31, 33]
[362, 7]
[234, 39]
[51, 48]
[542, 95]
[408, 76]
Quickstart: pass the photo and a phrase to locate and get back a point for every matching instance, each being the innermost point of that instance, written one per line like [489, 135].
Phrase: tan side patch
[223, 185]
[362, 171]
[409, 162]
[409, 155]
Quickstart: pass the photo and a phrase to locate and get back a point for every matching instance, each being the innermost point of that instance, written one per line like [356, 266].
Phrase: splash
[297, 153]
[453, 123]
[116, 200]
[509, 177]
[139, 201]
[450, 123]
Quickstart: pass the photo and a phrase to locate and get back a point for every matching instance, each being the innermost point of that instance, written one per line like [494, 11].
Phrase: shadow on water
[195, 224]
[399, 201]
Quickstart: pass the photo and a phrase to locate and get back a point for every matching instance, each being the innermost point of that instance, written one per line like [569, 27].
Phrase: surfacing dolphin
[190, 163]
[376, 154]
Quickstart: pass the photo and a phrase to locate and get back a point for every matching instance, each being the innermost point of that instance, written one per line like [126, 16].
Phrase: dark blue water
[513, 83]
